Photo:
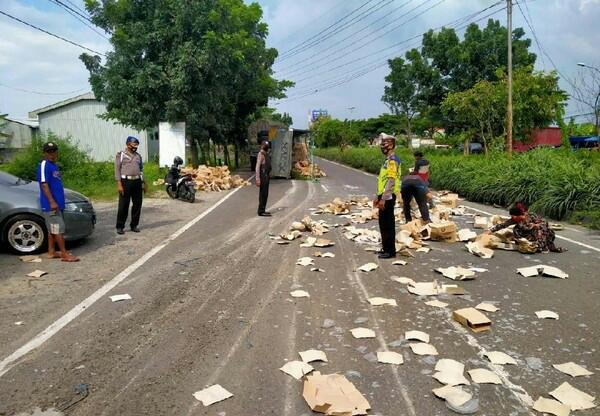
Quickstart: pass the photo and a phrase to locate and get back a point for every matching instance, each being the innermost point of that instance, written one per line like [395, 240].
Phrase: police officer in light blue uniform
[129, 174]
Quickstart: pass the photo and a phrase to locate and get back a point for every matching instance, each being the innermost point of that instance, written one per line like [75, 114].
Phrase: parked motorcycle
[180, 186]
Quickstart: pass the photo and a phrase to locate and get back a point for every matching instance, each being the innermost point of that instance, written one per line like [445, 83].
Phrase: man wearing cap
[388, 188]
[263, 172]
[130, 184]
[52, 202]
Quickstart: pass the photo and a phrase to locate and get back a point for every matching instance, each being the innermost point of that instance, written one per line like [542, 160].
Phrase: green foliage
[269, 113]
[70, 157]
[583, 129]
[332, 132]
[553, 182]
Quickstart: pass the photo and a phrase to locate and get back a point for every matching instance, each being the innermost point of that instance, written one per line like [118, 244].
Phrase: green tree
[204, 62]
[269, 113]
[330, 132]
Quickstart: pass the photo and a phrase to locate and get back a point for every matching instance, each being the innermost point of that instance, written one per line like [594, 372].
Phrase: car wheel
[25, 233]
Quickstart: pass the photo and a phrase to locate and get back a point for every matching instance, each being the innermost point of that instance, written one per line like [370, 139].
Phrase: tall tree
[204, 62]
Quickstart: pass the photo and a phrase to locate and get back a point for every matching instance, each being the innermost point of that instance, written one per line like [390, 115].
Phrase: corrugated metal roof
[87, 96]
[25, 122]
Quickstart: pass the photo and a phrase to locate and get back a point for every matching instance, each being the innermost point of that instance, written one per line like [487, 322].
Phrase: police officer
[130, 184]
[388, 187]
[263, 173]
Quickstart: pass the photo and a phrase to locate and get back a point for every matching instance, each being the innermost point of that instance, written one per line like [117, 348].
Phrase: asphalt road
[213, 306]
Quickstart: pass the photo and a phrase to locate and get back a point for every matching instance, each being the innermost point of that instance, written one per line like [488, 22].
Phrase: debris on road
[572, 369]
[19, 323]
[368, 267]
[291, 235]
[403, 280]
[499, 357]
[479, 249]
[472, 319]
[445, 231]
[323, 255]
[321, 243]
[545, 314]
[360, 333]
[336, 207]
[450, 372]
[456, 396]
[308, 170]
[37, 273]
[309, 242]
[424, 288]
[466, 235]
[436, 303]
[312, 355]
[487, 307]
[551, 406]
[297, 369]
[305, 261]
[333, 394]
[390, 357]
[422, 348]
[572, 397]
[481, 223]
[377, 301]
[31, 259]
[118, 298]
[317, 269]
[456, 273]
[549, 271]
[212, 395]
[214, 178]
[484, 376]
[399, 263]
[417, 335]
[299, 294]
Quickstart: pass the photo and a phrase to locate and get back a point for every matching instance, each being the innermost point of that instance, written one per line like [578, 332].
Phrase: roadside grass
[557, 183]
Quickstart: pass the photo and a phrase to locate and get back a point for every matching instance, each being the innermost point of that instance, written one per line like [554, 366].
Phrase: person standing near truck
[129, 174]
[263, 173]
[388, 188]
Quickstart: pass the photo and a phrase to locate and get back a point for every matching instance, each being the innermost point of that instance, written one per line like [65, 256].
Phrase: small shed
[15, 135]
[78, 117]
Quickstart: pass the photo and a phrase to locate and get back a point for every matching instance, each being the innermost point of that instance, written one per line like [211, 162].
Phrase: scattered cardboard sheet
[484, 376]
[478, 269]
[423, 250]
[424, 288]
[368, 267]
[572, 369]
[499, 357]
[399, 263]
[456, 273]
[403, 280]
[310, 242]
[305, 261]
[19, 323]
[118, 298]
[390, 357]
[421, 348]
[481, 222]
[552, 407]
[362, 333]
[418, 335]
[572, 397]
[450, 372]
[299, 294]
[487, 307]
[473, 319]
[452, 290]
[529, 271]
[282, 242]
[549, 271]
[453, 395]
[212, 394]
[324, 255]
[31, 259]
[323, 243]
[479, 250]
[466, 235]
[377, 301]
[37, 273]
[546, 314]
[333, 394]
[436, 303]
[312, 355]
[291, 236]
[317, 269]
[297, 369]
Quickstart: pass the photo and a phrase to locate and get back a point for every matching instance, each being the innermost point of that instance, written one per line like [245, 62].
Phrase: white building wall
[101, 139]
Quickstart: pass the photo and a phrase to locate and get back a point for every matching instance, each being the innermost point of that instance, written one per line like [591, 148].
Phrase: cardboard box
[334, 395]
[445, 231]
[450, 200]
[473, 319]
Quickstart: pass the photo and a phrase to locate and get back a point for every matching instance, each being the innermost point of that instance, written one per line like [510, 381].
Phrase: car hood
[70, 195]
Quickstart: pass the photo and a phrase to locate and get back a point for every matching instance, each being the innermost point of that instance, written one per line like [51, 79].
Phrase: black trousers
[387, 227]
[132, 192]
[419, 193]
[263, 193]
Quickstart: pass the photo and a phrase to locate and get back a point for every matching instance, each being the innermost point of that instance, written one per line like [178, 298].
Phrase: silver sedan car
[22, 226]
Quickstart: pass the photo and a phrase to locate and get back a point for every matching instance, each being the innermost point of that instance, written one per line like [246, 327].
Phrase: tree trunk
[215, 153]
[408, 134]
[466, 149]
[236, 152]
[226, 154]
[194, 150]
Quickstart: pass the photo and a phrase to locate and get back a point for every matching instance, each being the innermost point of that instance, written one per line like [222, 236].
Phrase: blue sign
[315, 114]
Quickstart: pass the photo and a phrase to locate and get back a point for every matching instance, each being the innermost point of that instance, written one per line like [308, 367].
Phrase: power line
[361, 72]
[529, 23]
[77, 7]
[355, 48]
[41, 93]
[77, 15]
[326, 29]
[353, 21]
[51, 34]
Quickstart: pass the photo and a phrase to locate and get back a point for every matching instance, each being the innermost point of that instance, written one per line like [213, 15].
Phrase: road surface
[213, 305]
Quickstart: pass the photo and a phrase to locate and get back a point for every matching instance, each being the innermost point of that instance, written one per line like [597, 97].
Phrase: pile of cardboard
[306, 169]
[218, 178]
[336, 207]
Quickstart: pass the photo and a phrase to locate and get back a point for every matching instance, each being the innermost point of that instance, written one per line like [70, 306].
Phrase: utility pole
[509, 109]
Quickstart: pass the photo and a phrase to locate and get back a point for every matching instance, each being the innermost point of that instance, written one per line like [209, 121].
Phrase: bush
[553, 182]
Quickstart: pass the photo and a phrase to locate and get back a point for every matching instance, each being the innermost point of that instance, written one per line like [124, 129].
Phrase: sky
[335, 50]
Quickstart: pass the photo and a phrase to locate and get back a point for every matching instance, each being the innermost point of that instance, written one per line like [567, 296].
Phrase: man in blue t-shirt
[52, 202]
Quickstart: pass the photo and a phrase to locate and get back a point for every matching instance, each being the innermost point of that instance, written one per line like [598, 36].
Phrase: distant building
[15, 135]
[77, 117]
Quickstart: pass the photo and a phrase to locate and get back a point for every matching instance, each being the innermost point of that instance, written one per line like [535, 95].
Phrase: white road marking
[7, 363]
[324, 188]
[557, 236]
[486, 213]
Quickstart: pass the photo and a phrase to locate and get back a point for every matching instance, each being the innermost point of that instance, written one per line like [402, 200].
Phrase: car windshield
[8, 179]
